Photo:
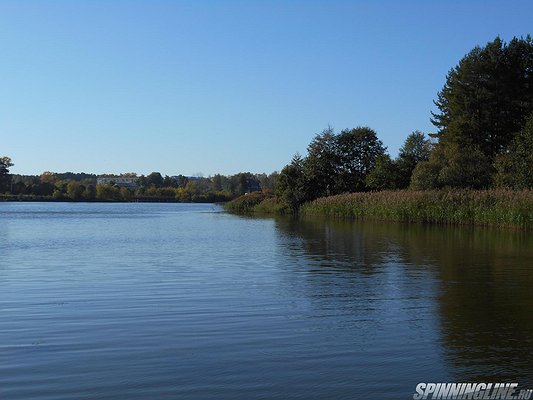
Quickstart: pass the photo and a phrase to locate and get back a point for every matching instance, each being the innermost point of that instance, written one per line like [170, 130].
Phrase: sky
[205, 87]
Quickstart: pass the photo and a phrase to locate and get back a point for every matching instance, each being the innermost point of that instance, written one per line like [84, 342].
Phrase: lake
[183, 301]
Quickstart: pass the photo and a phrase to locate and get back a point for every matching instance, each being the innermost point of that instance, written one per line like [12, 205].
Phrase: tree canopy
[358, 149]
[487, 97]
[335, 163]
[5, 164]
[515, 167]
[482, 111]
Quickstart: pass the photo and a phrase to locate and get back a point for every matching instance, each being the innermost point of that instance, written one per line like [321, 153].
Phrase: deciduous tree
[385, 175]
[290, 186]
[320, 165]
[357, 151]
[416, 149]
[515, 166]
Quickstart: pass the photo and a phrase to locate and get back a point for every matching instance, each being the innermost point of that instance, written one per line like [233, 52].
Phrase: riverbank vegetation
[263, 202]
[495, 207]
[476, 169]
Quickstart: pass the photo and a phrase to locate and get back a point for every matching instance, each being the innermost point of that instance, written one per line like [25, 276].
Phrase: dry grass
[258, 203]
[501, 208]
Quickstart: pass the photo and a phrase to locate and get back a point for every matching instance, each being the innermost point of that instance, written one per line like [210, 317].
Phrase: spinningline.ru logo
[475, 391]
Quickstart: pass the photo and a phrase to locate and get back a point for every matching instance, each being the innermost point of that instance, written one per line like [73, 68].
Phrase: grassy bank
[500, 208]
[256, 203]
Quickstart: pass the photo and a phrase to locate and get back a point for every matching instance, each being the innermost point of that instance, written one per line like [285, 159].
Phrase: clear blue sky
[223, 86]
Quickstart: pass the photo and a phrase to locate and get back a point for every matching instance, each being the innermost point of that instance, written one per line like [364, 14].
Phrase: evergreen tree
[487, 97]
[155, 179]
[291, 185]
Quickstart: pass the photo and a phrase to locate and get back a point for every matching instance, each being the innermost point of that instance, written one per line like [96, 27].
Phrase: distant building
[127, 182]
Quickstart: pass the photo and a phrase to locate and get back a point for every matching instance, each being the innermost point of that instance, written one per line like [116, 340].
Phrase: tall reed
[498, 207]
[256, 202]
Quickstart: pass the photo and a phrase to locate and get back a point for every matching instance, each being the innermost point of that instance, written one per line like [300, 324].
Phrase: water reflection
[477, 282]
[173, 301]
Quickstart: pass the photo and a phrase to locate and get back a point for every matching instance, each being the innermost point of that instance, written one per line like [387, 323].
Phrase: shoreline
[500, 208]
[49, 199]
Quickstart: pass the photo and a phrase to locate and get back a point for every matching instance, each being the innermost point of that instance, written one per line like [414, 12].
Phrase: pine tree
[487, 97]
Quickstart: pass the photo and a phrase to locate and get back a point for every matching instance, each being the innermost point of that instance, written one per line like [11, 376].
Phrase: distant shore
[144, 199]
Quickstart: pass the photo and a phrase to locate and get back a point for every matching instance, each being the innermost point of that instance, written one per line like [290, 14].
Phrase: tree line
[484, 139]
[484, 120]
[154, 186]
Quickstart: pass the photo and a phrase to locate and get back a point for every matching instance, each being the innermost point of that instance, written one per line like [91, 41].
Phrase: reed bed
[498, 207]
[256, 203]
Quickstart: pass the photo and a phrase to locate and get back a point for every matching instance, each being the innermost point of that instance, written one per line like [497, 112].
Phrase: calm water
[171, 301]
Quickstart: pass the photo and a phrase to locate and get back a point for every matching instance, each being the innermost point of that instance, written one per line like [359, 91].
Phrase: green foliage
[5, 178]
[80, 177]
[267, 182]
[169, 182]
[75, 190]
[166, 192]
[425, 176]
[453, 166]
[5, 164]
[58, 195]
[108, 192]
[500, 208]
[90, 192]
[334, 164]
[482, 108]
[49, 185]
[48, 177]
[154, 179]
[217, 183]
[154, 187]
[271, 206]
[246, 203]
[487, 97]
[357, 151]
[385, 175]
[416, 149]
[182, 181]
[320, 165]
[125, 194]
[396, 174]
[465, 167]
[263, 202]
[291, 183]
[43, 189]
[515, 167]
